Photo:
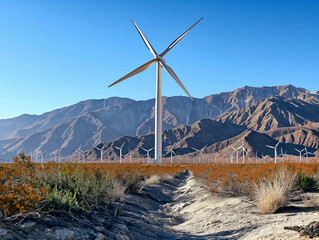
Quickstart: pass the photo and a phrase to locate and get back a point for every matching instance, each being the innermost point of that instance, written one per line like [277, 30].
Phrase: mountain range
[285, 113]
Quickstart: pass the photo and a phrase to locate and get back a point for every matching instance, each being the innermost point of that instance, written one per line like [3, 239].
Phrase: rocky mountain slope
[273, 113]
[91, 122]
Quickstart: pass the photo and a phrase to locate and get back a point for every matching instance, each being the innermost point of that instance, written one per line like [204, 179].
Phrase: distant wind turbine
[275, 149]
[236, 150]
[161, 63]
[300, 153]
[264, 157]
[148, 154]
[121, 149]
[307, 154]
[101, 150]
[200, 151]
[244, 149]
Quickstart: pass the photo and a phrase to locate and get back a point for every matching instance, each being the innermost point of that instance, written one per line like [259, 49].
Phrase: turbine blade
[178, 39]
[195, 149]
[174, 76]
[146, 42]
[269, 146]
[136, 71]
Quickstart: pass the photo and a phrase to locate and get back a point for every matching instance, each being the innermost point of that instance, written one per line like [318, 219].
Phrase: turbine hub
[159, 57]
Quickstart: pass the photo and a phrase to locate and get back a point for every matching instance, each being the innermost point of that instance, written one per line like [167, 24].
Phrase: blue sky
[56, 53]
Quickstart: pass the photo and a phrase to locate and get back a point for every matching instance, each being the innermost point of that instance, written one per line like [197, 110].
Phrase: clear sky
[56, 53]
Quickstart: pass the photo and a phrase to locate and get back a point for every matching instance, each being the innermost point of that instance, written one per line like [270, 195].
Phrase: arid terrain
[175, 208]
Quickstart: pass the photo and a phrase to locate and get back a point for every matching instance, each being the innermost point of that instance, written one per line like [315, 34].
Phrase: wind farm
[87, 152]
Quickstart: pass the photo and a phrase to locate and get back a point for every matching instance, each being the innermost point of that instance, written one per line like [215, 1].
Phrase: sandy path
[182, 209]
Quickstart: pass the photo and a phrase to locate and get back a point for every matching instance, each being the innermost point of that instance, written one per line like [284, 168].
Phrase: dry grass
[154, 179]
[273, 192]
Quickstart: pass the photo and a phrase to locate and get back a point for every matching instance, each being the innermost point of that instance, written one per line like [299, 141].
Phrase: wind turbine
[282, 155]
[244, 150]
[307, 154]
[215, 155]
[275, 149]
[80, 152]
[147, 154]
[160, 63]
[172, 152]
[101, 149]
[300, 151]
[201, 152]
[236, 150]
[121, 149]
[264, 157]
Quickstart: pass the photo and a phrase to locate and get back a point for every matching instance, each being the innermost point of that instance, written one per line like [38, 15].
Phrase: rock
[3, 232]
[100, 229]
[101, 220]
[100, 236]
[28, 225]
[123, 232]
[64, 234]
[122, 237]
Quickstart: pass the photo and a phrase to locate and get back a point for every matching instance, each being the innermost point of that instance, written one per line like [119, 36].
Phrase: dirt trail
[175, 209]
[183, 209]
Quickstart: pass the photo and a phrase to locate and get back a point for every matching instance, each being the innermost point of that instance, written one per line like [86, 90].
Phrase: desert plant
[306, 182]
[154, 179]
[62, 199]
[273, 192]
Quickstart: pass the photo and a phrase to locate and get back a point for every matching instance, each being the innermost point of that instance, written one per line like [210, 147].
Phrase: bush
[273, 193]
[306, 183]
[77, 190]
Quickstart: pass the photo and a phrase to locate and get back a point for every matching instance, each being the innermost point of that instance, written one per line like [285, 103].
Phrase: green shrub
[61, 199]
[77, 190]
[306, 182]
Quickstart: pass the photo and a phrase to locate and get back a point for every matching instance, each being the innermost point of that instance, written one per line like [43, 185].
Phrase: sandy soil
[179, 208]
[183, 209]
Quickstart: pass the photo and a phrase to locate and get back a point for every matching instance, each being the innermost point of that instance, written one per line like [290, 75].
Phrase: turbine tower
[160, 63]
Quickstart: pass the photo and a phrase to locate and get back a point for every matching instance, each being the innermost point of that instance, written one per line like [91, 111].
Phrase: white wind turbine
[275, 149]
[200, 151]
[161, 63]
[101, 150]
[215, 156]
[264, 157]
[236, 150]
[307, 154]
[282, 155]
[172, 152]
[244, 149]
[121, 149]
[148, 158]
[300, 153]
[80, 152]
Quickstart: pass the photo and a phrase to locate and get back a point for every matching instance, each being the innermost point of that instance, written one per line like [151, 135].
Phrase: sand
[183, 209]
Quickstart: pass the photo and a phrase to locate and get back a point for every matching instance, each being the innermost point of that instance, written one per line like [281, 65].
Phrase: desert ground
[183, 209]
[177, 208]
